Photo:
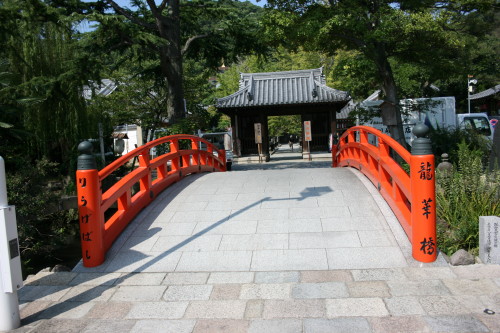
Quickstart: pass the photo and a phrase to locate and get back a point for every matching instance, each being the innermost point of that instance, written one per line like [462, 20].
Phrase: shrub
[462, 196]
[447, 141]
[43, 229]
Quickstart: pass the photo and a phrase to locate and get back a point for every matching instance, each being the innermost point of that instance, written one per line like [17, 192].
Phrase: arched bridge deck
[306, 217]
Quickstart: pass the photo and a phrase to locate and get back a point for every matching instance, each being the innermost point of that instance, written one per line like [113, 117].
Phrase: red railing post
[174, 148]
[144, 161]
[222, 157]
[423, 197]
[89, 207]
[335, 142]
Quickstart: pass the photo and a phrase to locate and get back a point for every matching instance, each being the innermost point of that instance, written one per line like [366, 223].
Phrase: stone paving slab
[185, 270]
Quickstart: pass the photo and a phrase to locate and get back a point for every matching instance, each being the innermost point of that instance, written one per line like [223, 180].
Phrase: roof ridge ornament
[250, 88]
[312, 84]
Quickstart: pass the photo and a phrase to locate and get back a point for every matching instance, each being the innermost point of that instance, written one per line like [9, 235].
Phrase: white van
[437, 112]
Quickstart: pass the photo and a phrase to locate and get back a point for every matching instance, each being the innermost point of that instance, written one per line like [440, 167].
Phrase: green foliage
[281, 125]
[462, 196]
[448, 141]
[418, 43]
[280, 59]
[42, 94]
[43, 230]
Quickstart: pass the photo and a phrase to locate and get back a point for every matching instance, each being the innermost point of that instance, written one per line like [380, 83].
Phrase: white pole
[3, 185]
[9, 304]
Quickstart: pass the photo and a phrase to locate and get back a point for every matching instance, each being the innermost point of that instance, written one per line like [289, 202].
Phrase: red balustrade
[411, 196]
[98, 231]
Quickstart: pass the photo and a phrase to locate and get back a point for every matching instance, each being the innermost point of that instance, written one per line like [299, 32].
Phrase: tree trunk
[171, 60]
[392, 118]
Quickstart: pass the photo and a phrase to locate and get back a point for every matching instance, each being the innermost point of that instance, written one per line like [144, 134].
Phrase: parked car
[222, 140]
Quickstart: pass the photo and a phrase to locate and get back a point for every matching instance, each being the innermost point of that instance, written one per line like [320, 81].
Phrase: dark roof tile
[282, 88]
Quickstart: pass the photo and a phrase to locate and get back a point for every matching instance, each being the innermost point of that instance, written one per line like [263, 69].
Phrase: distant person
[290, 143]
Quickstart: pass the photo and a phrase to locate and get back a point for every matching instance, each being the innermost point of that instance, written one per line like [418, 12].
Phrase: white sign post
[11, 277]
[489, 243]
[308, 136]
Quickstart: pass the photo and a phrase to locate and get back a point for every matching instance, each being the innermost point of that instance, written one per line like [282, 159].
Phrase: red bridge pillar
[423, 197]
[89, 207]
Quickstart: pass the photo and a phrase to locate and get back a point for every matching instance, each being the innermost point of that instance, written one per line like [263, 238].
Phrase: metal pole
[9, 304]
[468, 95]
[101, 144]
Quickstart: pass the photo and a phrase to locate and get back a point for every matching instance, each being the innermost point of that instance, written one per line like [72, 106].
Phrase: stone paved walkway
[300, 247]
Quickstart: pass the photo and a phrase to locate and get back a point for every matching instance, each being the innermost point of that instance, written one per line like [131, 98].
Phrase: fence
[411, 196]
[104, 214]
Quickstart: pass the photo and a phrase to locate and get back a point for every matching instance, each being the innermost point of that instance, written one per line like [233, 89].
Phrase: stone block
[337, 325]
[276, 277]
[185, 278]
[289, 260]
[67, 310]
[254, 242]
[429, 273]
[231, 277]
[141, 279]
[265, 291]
[320, 290]
[187, 292]
[163, 325]
[442, 305]
[254, 308]
[215, 261]
[471, 287]
[406, 324]
[109, 310]
[455, 324]
[418, 288]
[384, 274]
[404, 306]
[63, 326]
[42, 293]
[232, 309]
[138, 293]
[225, 291]
[325, 276]
[50, 279]
[368, 289]
[109, 326]
[355, 307]
[365, 257]
[157, 310]
[221, 326]
[275, 326]
[89, 294]
[294, 308]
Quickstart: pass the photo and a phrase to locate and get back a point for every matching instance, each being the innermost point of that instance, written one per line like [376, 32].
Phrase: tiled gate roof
[283, 88]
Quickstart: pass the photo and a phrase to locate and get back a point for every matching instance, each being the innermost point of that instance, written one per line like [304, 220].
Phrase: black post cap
[421, 145]
[86, 160]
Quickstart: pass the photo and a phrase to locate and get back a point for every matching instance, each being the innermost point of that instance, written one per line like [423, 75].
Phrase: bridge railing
[411, 196]
[104, 214]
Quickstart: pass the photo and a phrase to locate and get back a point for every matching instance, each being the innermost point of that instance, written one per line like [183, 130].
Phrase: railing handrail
[97, 233]
[122, 160]
[410, 196]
